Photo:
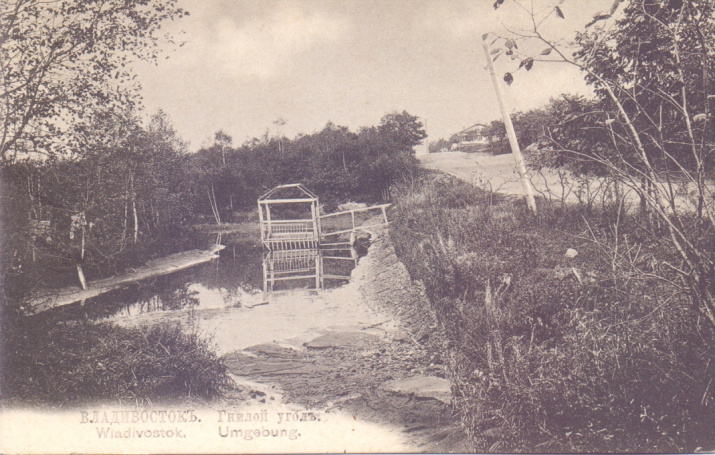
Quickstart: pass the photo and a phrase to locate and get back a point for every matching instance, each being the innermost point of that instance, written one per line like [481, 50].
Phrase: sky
[245, 64]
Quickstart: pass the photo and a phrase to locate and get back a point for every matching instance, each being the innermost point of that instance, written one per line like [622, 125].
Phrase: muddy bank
[385, 370]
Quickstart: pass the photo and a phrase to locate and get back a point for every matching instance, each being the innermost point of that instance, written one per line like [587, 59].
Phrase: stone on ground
[341, 339]
[422, 386]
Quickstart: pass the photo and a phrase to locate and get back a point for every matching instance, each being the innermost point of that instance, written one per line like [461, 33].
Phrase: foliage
[651, 126]
[550, 354]
[530, 127]
[134, 193]
[63, 60]
[57, 363]
[439, 145]
[123, 202]
[335, 163]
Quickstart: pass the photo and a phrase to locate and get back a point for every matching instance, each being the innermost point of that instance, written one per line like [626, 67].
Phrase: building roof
[472, 128]
[292, 191]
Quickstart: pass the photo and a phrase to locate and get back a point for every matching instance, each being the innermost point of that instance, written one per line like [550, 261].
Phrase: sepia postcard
[366, 226]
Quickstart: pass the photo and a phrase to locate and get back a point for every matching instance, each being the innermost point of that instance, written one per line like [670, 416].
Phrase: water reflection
[242, 277]
[232, 280]
[312, 269]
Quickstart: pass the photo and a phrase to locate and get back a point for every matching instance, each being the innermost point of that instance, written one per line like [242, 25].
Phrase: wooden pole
[261, 222]
[511, 134]
[268, 220]
[317, 217]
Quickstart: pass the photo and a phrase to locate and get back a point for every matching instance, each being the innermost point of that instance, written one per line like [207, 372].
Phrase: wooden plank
[260, 219]
[366, 209]
[358, 228]
[287, 201]
[299, 221]
[153, 268]
[288, 278]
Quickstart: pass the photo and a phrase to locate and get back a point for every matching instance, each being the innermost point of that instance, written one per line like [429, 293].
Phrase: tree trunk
[134, 209]
[214, 206]
[126, 214]
[81, 250]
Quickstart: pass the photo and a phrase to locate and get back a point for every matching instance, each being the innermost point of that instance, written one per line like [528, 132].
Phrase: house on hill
[470, 139]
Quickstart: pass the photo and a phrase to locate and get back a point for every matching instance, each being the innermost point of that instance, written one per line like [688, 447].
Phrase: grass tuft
[55, 363]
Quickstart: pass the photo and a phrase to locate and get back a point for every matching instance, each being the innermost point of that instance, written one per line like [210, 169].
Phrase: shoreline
[54, 298]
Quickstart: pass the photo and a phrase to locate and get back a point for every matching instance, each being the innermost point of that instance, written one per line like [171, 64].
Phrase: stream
[249, 297]
[245, 297]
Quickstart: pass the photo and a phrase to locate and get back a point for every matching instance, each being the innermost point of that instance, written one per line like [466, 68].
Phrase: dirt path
[498, 173]
[377, 384]
[492, 172]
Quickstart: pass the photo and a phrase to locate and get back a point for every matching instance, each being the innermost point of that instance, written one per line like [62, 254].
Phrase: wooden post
[272, 280]
[317, 217]
[268, 219]
[314, 215]
[319, 261]
[318, 271]
[261, 222]
[511, 134]
[80, 274]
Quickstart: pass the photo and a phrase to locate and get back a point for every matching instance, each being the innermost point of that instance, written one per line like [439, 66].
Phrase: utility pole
[511, 134]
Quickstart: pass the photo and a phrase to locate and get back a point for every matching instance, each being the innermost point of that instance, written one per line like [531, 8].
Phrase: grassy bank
[49, 363]
[597, 352]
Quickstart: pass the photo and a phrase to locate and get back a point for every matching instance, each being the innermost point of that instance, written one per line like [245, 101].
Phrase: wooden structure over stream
[301, 242]
[290, 219]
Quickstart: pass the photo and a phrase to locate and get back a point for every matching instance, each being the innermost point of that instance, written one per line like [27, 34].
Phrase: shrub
[45, 362]
[549, 353]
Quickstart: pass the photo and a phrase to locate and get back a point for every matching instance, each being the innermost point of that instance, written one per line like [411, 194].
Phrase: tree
[530, 127]
[62, 59]
[403, 130]
[651, 128]
[439, 145]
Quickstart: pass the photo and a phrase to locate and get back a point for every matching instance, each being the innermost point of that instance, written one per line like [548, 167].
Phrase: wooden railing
[382, 208]
[307, 233]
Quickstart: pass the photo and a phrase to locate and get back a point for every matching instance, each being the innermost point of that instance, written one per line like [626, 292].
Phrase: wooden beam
[366, 209]
[287, 201]
[289, 278]
[260, 220]
[358, 228]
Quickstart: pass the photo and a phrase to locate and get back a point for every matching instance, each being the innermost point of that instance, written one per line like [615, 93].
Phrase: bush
[550, 353]
[45, 362]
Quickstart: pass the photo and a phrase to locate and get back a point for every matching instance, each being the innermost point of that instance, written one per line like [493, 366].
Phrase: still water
[244, 297]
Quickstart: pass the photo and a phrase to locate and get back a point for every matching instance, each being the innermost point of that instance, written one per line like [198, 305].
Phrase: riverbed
[327, 343]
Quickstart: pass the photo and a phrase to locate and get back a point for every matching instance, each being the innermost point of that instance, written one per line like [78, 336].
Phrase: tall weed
[550, 353]
[60, 363]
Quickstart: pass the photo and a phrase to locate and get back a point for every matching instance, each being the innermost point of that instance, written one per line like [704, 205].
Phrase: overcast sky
[246, 63]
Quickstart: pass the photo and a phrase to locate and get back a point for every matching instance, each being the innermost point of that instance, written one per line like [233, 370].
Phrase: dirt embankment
[390, 373]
